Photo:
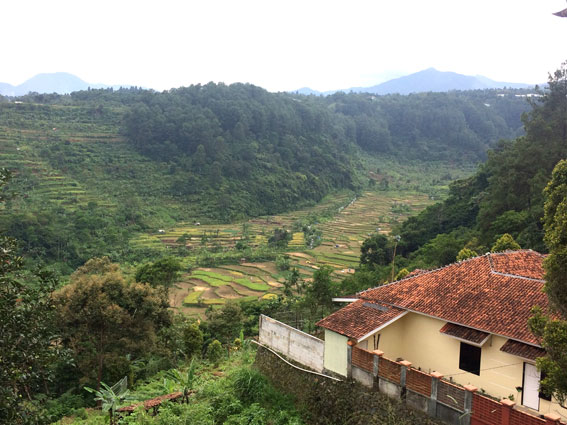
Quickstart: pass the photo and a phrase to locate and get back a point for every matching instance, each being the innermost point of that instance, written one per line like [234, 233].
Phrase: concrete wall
[335, 352]
[292, 343]
[416, 338]
[363, 377]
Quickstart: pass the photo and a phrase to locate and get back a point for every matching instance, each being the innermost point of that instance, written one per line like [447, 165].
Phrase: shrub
[215, 352]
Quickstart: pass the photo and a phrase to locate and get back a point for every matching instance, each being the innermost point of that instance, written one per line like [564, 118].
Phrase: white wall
[292, 343]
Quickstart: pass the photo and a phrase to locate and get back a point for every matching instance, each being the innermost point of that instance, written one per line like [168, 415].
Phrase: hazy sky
[279, 44]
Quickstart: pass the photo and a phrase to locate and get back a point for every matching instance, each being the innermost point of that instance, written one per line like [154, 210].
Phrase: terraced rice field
[342, 237]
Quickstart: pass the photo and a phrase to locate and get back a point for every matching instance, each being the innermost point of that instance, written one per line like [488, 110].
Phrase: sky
[279, 44]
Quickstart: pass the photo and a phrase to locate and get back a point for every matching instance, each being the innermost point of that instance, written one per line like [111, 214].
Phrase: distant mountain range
[57, 82]
[428, 80]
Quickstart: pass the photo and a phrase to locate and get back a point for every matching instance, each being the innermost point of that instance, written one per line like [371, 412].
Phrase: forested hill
[95, 166]
[504, 196]
[431, 126]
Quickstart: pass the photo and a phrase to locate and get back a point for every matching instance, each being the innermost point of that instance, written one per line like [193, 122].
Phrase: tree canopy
[103, 318]
[506, 193]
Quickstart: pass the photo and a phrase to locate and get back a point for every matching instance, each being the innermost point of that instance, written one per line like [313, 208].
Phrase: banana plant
[184, 382]
[111, 397]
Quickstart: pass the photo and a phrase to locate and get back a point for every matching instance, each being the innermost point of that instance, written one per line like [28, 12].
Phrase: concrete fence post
[350, 344]
[376, 366]
[403, 377]
[404, 372]
[552, 419]
[470, 390]
[377, 355]
[432, 402]
[507, 406]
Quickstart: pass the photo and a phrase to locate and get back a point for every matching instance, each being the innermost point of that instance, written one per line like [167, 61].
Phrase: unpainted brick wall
[389, 370]
[520, 418]
[419, 382]
[451, 395]
[487, 410]
[363, 359]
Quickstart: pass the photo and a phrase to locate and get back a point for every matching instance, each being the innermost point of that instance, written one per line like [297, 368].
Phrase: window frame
[469, 354]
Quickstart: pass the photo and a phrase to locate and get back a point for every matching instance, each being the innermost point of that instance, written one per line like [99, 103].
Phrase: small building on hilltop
[467, 321]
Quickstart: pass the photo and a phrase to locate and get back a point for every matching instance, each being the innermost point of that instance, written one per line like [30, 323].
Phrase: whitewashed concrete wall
[294, 344]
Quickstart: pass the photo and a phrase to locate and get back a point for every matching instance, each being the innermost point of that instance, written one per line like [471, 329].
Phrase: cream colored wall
[416, 338]
[335, 358]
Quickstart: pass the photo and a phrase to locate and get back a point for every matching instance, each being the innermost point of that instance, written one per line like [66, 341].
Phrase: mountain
[428, 80]
[308, 91]
[432, 80]
[57, 82]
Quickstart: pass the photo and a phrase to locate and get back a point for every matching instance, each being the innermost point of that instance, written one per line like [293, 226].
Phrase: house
[466, 321]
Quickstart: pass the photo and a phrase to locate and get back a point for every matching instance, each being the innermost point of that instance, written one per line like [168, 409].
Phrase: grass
[192, 298]
[252, 285]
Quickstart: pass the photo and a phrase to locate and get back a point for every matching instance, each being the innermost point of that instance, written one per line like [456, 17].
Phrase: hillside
[99, 166]
[505, 194]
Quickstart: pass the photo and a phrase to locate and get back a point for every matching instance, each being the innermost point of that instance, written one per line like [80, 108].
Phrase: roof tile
[493, 293]
[359, 318]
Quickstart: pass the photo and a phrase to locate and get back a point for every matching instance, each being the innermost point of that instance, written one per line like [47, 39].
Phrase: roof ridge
[425, 272]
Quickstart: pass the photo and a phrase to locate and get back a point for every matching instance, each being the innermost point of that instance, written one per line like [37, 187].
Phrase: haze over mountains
[429, 80]
[57, 82]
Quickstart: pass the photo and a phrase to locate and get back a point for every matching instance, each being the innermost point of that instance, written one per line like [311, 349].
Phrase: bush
[215, 352]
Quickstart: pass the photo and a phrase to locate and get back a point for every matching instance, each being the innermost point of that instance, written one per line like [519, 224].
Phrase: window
[469, 358]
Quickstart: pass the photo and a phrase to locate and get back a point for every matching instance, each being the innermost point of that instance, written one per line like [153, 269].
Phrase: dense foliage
[506, 193]
[552, 329]
[27, 333]
[214, 153]
[104, 318]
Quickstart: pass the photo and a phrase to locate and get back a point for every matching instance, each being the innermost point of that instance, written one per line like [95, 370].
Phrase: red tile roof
[522, 350]
[360, 318]
[462, 332]
[518, 263]
[493, 293]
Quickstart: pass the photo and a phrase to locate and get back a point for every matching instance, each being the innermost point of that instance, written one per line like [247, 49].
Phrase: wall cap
[379, 353]
[405, 363]
[351, 343]
[471, 388]
[506, 402]
[552, 416]
[436, 375]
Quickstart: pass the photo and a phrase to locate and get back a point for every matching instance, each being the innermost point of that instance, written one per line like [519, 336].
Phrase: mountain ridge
[427, 80]
[54, 82]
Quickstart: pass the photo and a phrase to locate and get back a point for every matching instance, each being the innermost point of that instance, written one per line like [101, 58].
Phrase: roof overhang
[465, 334]
[378, 329]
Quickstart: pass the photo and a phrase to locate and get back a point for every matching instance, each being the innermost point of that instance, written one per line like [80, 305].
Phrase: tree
[293, 282]
[28, 336]
[552, 330]
[376, 251]
[280, 238]
[103, 318]
[192, 338]
[505, 243]
[162, 272]
[465, 254]
[226, 322]
[320, 292]
[215, 352]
